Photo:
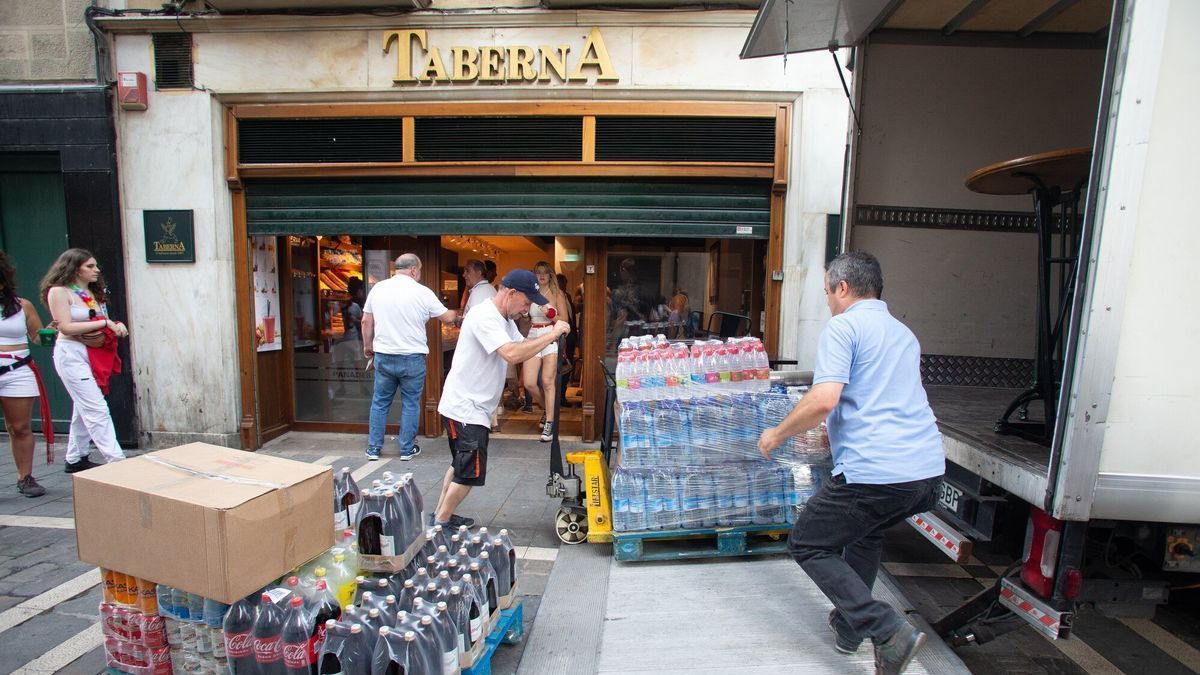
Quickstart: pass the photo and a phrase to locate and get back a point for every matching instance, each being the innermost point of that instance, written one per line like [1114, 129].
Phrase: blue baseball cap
[526, 282]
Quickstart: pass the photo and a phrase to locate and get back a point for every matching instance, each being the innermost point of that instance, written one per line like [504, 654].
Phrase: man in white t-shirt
[478, 288]
[488, 342]
[393, 330]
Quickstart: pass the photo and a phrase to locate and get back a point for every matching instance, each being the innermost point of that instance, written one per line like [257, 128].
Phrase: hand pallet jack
[586, 511]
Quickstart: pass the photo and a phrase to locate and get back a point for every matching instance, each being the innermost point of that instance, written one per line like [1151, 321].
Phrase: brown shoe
[29, 487]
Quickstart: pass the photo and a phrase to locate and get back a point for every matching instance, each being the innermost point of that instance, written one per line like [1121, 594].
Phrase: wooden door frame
[249, 431]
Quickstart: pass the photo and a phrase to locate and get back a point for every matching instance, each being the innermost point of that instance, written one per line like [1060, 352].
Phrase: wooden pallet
[715, 542]
[508, 629]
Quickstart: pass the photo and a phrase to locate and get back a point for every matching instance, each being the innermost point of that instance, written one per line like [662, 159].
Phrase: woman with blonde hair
[540, 372]
[85, 352]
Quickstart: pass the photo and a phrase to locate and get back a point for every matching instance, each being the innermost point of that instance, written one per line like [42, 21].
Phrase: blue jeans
[838, 539]
[405, 372]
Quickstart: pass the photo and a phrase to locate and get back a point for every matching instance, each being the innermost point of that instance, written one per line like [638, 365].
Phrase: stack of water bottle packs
[689, 423]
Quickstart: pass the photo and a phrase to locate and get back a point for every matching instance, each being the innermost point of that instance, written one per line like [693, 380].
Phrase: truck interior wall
[931, 115]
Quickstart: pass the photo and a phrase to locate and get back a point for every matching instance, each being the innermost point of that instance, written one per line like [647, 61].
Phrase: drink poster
[265, 277]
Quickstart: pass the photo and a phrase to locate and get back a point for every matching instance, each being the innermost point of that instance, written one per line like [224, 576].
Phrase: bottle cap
[410, 636]
[319, 572]
[389, 494]
[356, 628]
[431, 586]
[474, 567]
[384, 630]
[391, 599]
[426, 620]
[374, 613]
[293, 581]
[296, 602]
[443, 574]
[484, 555]
[408, 583]
[455, 590]
[322, 585]
[345, 469]
[266, 598]
[442, 605]
[442, 549]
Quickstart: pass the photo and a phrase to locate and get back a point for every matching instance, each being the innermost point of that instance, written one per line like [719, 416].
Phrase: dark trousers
[838, 538]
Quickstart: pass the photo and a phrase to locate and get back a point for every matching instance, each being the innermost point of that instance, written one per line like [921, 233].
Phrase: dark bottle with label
[268, 638]
[239, 638]
[298, 655]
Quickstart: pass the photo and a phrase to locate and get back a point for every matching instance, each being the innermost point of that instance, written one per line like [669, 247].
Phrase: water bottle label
[764, 374]
[635, 383]
[476, 629]
[735, 376]
[637, 506]
[724, 376]
[708, 502]
[725, 501]
[672, 381]
[691, 504]
[620, 504]
[387, 545]
[654, 505]
[741, 501]
[698, 379]
[449, 662]
[761, 499]
[712, 378]
[670, 505]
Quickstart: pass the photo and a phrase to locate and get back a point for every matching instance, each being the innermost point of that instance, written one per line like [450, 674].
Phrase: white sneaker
[547, 432]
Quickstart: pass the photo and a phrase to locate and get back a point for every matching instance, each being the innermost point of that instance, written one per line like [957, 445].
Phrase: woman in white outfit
[540, 372]
[74, 291]
[19, 323]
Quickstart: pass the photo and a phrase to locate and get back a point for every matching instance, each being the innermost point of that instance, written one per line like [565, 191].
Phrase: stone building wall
[46, 41]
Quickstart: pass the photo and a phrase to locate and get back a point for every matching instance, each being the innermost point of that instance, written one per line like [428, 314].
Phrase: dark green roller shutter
[645, 208]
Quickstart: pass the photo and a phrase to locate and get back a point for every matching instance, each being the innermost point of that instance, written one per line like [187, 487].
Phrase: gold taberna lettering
[434, 70]
[491, 64]
[520, 64]
[595, 45]
[464, 64]
[553, 58]
[404, 39]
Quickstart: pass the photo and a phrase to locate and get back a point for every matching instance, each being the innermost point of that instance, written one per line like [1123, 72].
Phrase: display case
[339, 259]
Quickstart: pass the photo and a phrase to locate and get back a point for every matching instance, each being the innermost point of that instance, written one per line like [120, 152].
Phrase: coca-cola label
[266, 650]
[160, 661]
[297, 654]
[239, 645]
[318, 640]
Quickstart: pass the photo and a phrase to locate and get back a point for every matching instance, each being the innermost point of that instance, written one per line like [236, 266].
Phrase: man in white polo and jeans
[487, 343]
[393, 332]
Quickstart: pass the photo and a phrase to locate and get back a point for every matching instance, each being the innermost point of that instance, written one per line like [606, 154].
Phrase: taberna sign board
[170, 236]
[497, 64]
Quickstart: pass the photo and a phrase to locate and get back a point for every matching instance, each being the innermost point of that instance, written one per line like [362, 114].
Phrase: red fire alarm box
[131, 91]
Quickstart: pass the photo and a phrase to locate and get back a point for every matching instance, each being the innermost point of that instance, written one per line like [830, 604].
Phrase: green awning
[644, 208]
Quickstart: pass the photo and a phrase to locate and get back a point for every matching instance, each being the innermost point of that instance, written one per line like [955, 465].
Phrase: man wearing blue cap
[487, 343]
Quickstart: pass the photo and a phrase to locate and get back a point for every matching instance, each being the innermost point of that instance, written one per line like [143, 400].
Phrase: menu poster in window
[377, 267]
[265, 278]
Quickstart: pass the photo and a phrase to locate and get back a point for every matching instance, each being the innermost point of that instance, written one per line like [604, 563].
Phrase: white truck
[1059, 351]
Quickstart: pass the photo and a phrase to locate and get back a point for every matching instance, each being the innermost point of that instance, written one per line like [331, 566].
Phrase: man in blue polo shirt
[887, 457]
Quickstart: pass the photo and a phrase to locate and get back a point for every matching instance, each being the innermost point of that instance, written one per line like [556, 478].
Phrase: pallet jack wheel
[571, 526]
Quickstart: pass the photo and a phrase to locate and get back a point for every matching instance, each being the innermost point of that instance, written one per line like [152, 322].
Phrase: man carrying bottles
[887, 457]
[487, 343]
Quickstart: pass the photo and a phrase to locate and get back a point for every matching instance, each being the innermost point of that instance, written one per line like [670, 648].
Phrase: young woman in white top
[19, 323]
[74, 291]
[540, 373]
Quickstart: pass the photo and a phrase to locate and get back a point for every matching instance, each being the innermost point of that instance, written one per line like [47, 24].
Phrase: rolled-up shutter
[596, 207]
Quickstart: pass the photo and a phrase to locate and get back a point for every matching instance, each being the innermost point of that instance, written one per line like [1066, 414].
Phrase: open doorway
[521, 405]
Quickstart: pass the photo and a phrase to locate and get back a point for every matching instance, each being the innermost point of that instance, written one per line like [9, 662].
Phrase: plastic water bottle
[724, 369]
[745, 428]
[665, 493]
[741, 496]
[712, 375]
[762, 366]
[620, 500]
[668, 428]
[636, 493]
[703, 411]
[696, 371]
[767, 494]
[699, 501]
[654, 500]
[635, 371]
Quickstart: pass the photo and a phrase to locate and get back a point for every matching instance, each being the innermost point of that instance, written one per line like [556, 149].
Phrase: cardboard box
[217, 522]
[391, 564]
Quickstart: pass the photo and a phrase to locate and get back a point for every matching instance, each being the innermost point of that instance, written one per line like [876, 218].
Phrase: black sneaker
[894, 655]
[82, 465]
[457, 521]
[547, 432]
[29, 487]
[405, 456]
[841, 641]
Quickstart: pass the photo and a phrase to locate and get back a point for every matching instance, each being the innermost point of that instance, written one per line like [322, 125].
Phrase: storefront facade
[310, 150]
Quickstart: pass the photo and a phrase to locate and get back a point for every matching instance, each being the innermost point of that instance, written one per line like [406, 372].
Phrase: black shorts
[468, 451]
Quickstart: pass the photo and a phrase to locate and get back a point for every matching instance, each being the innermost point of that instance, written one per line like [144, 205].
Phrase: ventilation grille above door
[377, 139]
[172, 60]
[498, 139]
[685, 139]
